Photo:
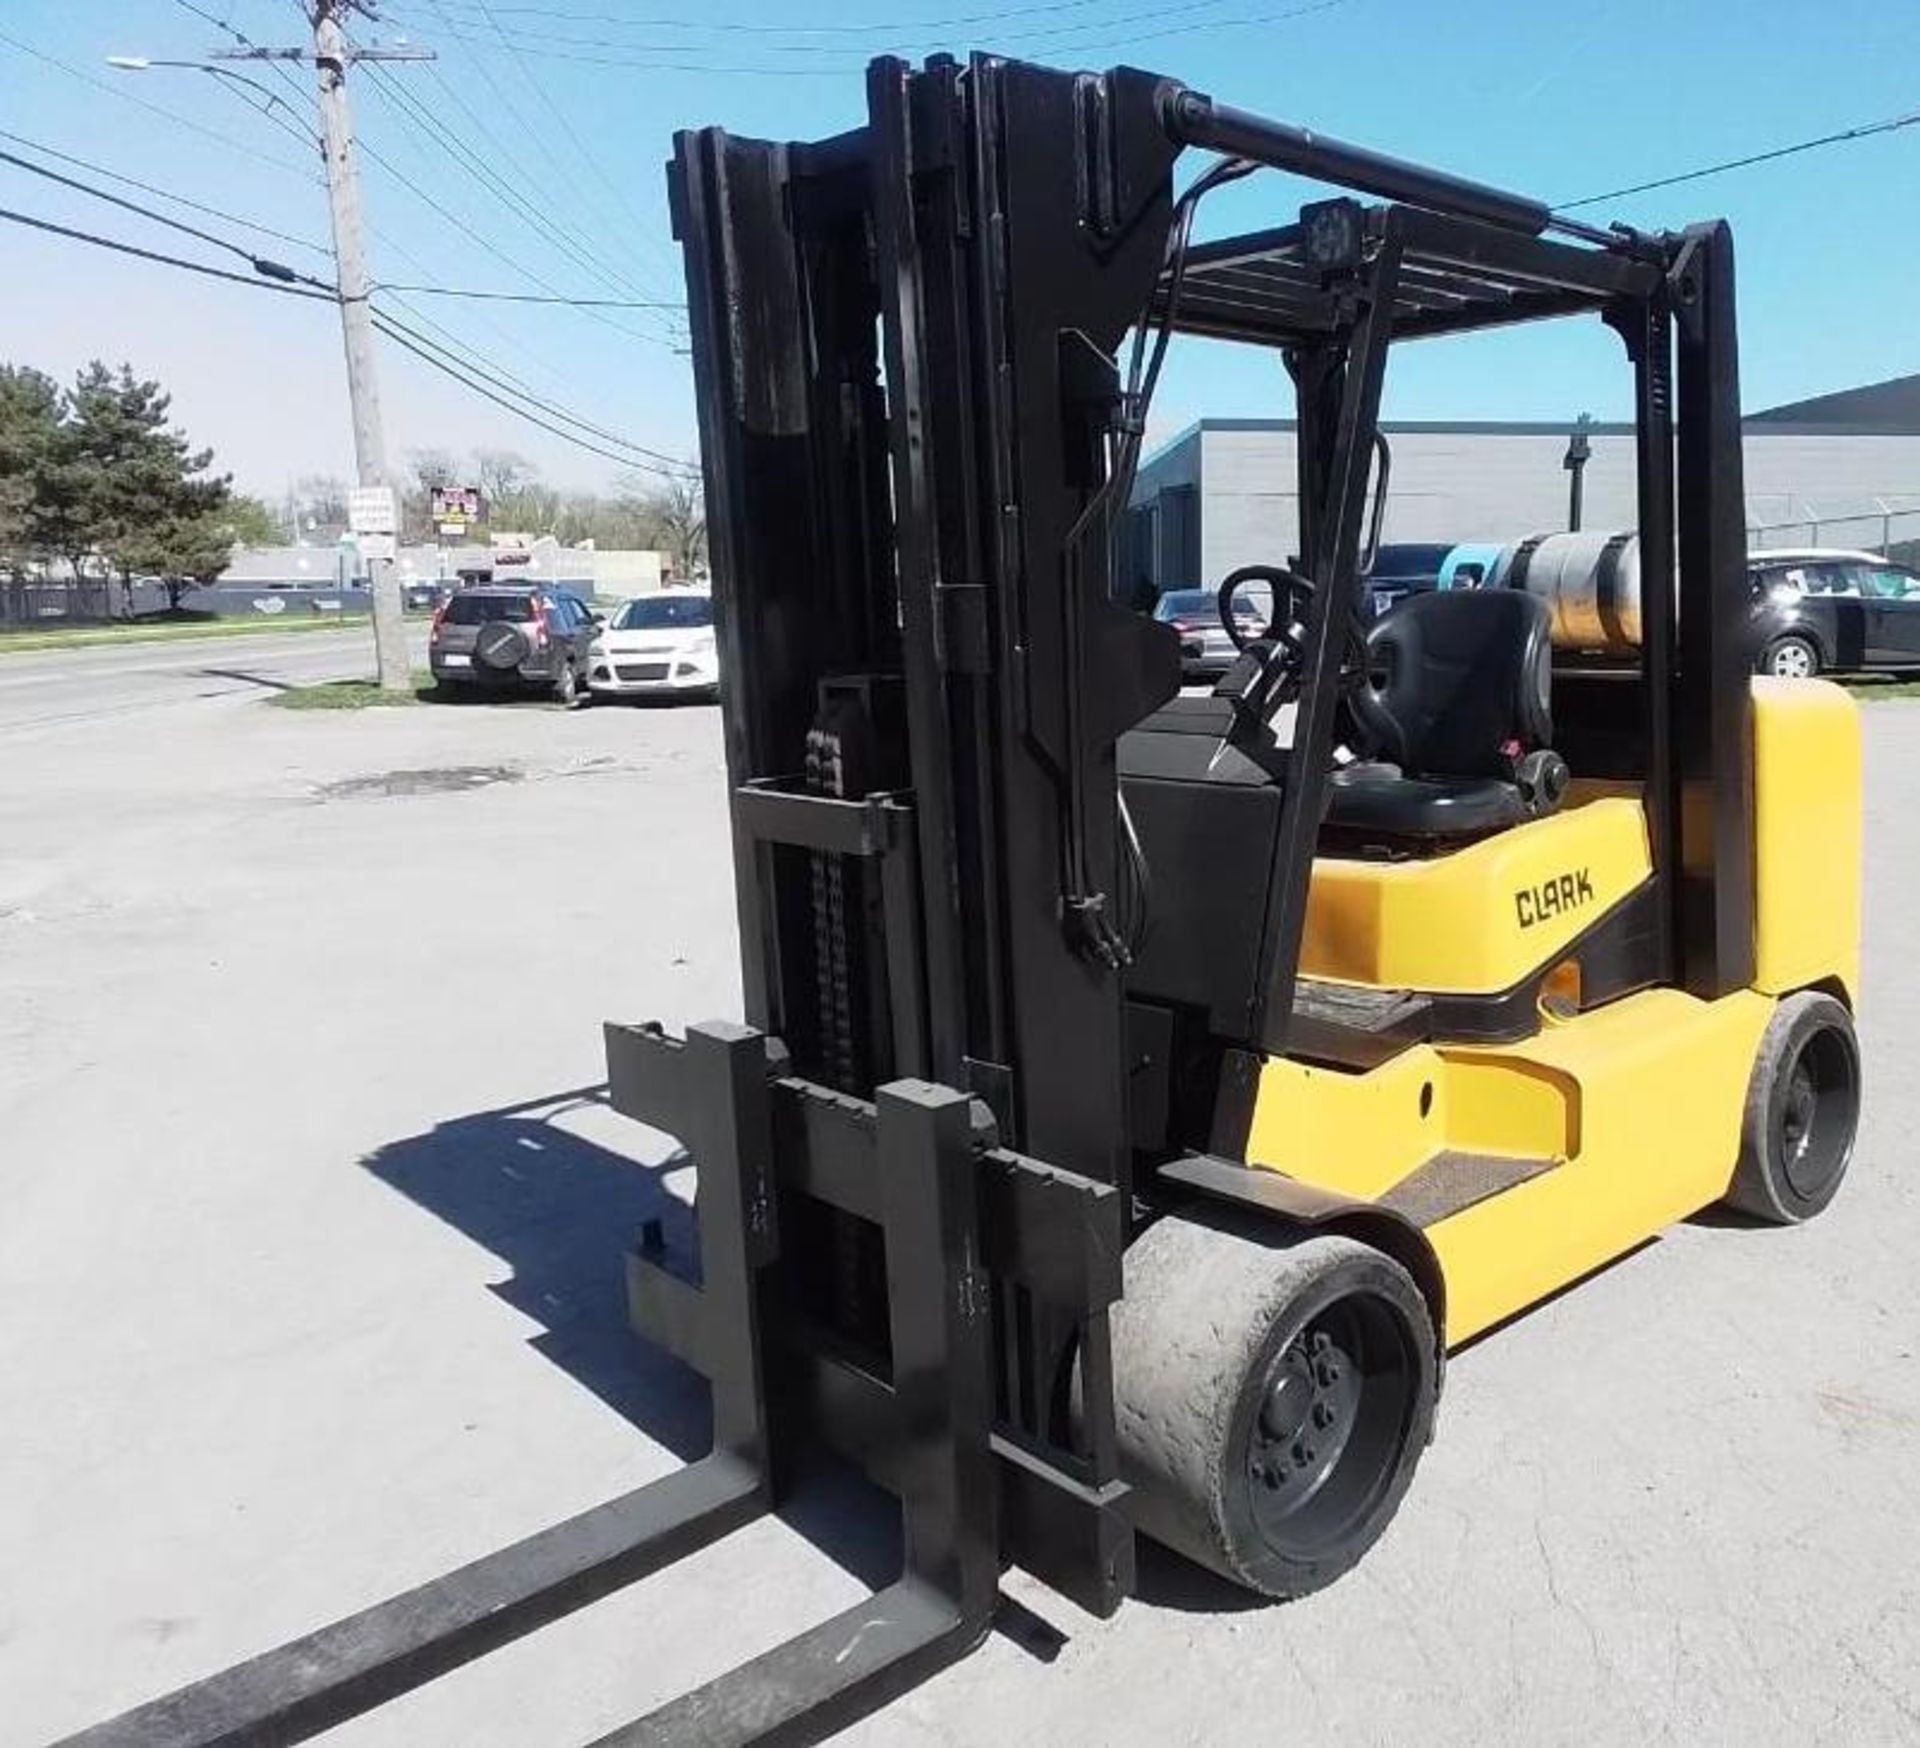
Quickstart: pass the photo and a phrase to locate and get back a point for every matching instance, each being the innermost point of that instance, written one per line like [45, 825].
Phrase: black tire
[566, 686]
[1790, 658]
[1273, 1395]
[501, 646]
[1803, 1107]
[451, 691]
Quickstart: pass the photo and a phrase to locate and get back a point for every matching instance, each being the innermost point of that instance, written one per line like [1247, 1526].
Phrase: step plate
[1451, 1182]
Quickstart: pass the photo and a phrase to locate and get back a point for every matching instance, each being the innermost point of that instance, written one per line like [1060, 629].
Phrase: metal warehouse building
[1840, 470]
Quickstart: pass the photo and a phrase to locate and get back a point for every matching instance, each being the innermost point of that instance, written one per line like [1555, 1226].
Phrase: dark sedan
[1820, 610]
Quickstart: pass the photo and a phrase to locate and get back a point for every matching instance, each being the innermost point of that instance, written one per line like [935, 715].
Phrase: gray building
[1841, 470]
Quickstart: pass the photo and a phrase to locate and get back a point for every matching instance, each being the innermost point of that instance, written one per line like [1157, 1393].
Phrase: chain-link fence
[1892, 530]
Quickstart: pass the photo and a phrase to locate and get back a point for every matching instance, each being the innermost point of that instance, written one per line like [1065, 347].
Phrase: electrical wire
[265, 268]
[1866, 130]
[559, 115]
[678, 470]
[39, 224]
[575, 303]
[471, 163]
[120, 95]
[636, 455]
[561, 48]
[873, 28]
[489, 375]
[232, 218]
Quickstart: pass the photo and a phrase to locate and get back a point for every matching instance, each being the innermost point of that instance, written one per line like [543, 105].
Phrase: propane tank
[1590, 583]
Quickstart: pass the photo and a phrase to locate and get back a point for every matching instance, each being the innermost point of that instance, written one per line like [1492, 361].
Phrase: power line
[676, 469]
[644, 291]
[267, 269]
[555, 291]
[21, 218]
[879, 27]
[503, 336]
[121, 95]
[1865, 131]
[552, 294]
[574, 303]
[232, 218]
[463, 346]
[556, 47]
[490, 374]
[471, 162]
[559, 115]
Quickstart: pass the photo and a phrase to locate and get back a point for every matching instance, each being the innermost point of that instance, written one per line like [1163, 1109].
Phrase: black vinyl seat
[1456, 714]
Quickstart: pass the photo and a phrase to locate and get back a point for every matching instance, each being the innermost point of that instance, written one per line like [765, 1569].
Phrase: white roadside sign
[371, 510]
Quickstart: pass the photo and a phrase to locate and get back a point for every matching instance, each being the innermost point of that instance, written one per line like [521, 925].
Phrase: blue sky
[1555, 101]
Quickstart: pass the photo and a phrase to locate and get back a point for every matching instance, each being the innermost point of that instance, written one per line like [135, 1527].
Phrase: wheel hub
[1797, 1120]
[1305, 1423]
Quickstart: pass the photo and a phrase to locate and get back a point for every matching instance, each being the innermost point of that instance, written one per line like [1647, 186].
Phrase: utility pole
[332, 56]
[356, 330]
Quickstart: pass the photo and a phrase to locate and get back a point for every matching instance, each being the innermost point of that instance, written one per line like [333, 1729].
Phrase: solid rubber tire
[1208, 1305]
[1761, 1185]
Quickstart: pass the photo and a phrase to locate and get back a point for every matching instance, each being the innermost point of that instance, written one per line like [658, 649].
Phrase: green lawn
[354, 694]
[167, 631]
[1870, 689]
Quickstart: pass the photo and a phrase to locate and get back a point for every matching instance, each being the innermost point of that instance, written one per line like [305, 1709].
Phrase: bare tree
[430, 468]
[499, 473]
[682, 508]
[317, 504]
[670, 514]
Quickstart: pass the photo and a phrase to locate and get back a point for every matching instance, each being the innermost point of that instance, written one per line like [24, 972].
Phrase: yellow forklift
[1142, 1092]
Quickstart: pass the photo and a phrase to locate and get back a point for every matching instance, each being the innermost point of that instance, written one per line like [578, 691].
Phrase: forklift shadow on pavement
[562, 1213]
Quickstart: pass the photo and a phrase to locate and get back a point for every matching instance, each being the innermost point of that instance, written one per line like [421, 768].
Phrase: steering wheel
[1266, 673]
[1286, 626]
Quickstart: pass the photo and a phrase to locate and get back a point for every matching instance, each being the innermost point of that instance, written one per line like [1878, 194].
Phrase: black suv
[1819, 609]
[513, 638]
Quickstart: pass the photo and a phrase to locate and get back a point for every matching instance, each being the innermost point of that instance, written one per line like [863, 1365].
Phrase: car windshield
[483, 609]
[665, 612]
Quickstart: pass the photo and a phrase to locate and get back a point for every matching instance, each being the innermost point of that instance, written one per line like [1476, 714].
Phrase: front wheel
[1273, 1394]
[566, 687]
[1803, 1105]
[1790, 658]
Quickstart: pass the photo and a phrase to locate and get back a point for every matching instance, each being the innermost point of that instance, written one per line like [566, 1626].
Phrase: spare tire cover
[500, 645]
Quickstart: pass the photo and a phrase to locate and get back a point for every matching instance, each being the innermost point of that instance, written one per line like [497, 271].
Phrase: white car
[657, 646]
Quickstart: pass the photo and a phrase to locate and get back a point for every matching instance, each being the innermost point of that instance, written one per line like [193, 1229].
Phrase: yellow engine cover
[1806, 835]
[1479, 920]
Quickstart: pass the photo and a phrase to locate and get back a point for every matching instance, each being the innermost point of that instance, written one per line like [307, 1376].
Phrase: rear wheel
[566, 686]
[1803, 1105]
[1790, 658]
[1273, 1395]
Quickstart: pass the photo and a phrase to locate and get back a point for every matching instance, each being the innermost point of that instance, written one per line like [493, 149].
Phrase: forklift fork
[916, 1157]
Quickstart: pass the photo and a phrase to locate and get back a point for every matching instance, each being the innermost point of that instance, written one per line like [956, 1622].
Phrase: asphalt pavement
[311, 1227]
[48, 690]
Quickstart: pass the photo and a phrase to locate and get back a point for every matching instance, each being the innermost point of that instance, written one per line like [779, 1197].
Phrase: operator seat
[1455, 714]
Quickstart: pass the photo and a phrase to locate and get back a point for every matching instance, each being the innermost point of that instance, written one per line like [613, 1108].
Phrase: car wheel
[566, 687]
[1790, 658]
